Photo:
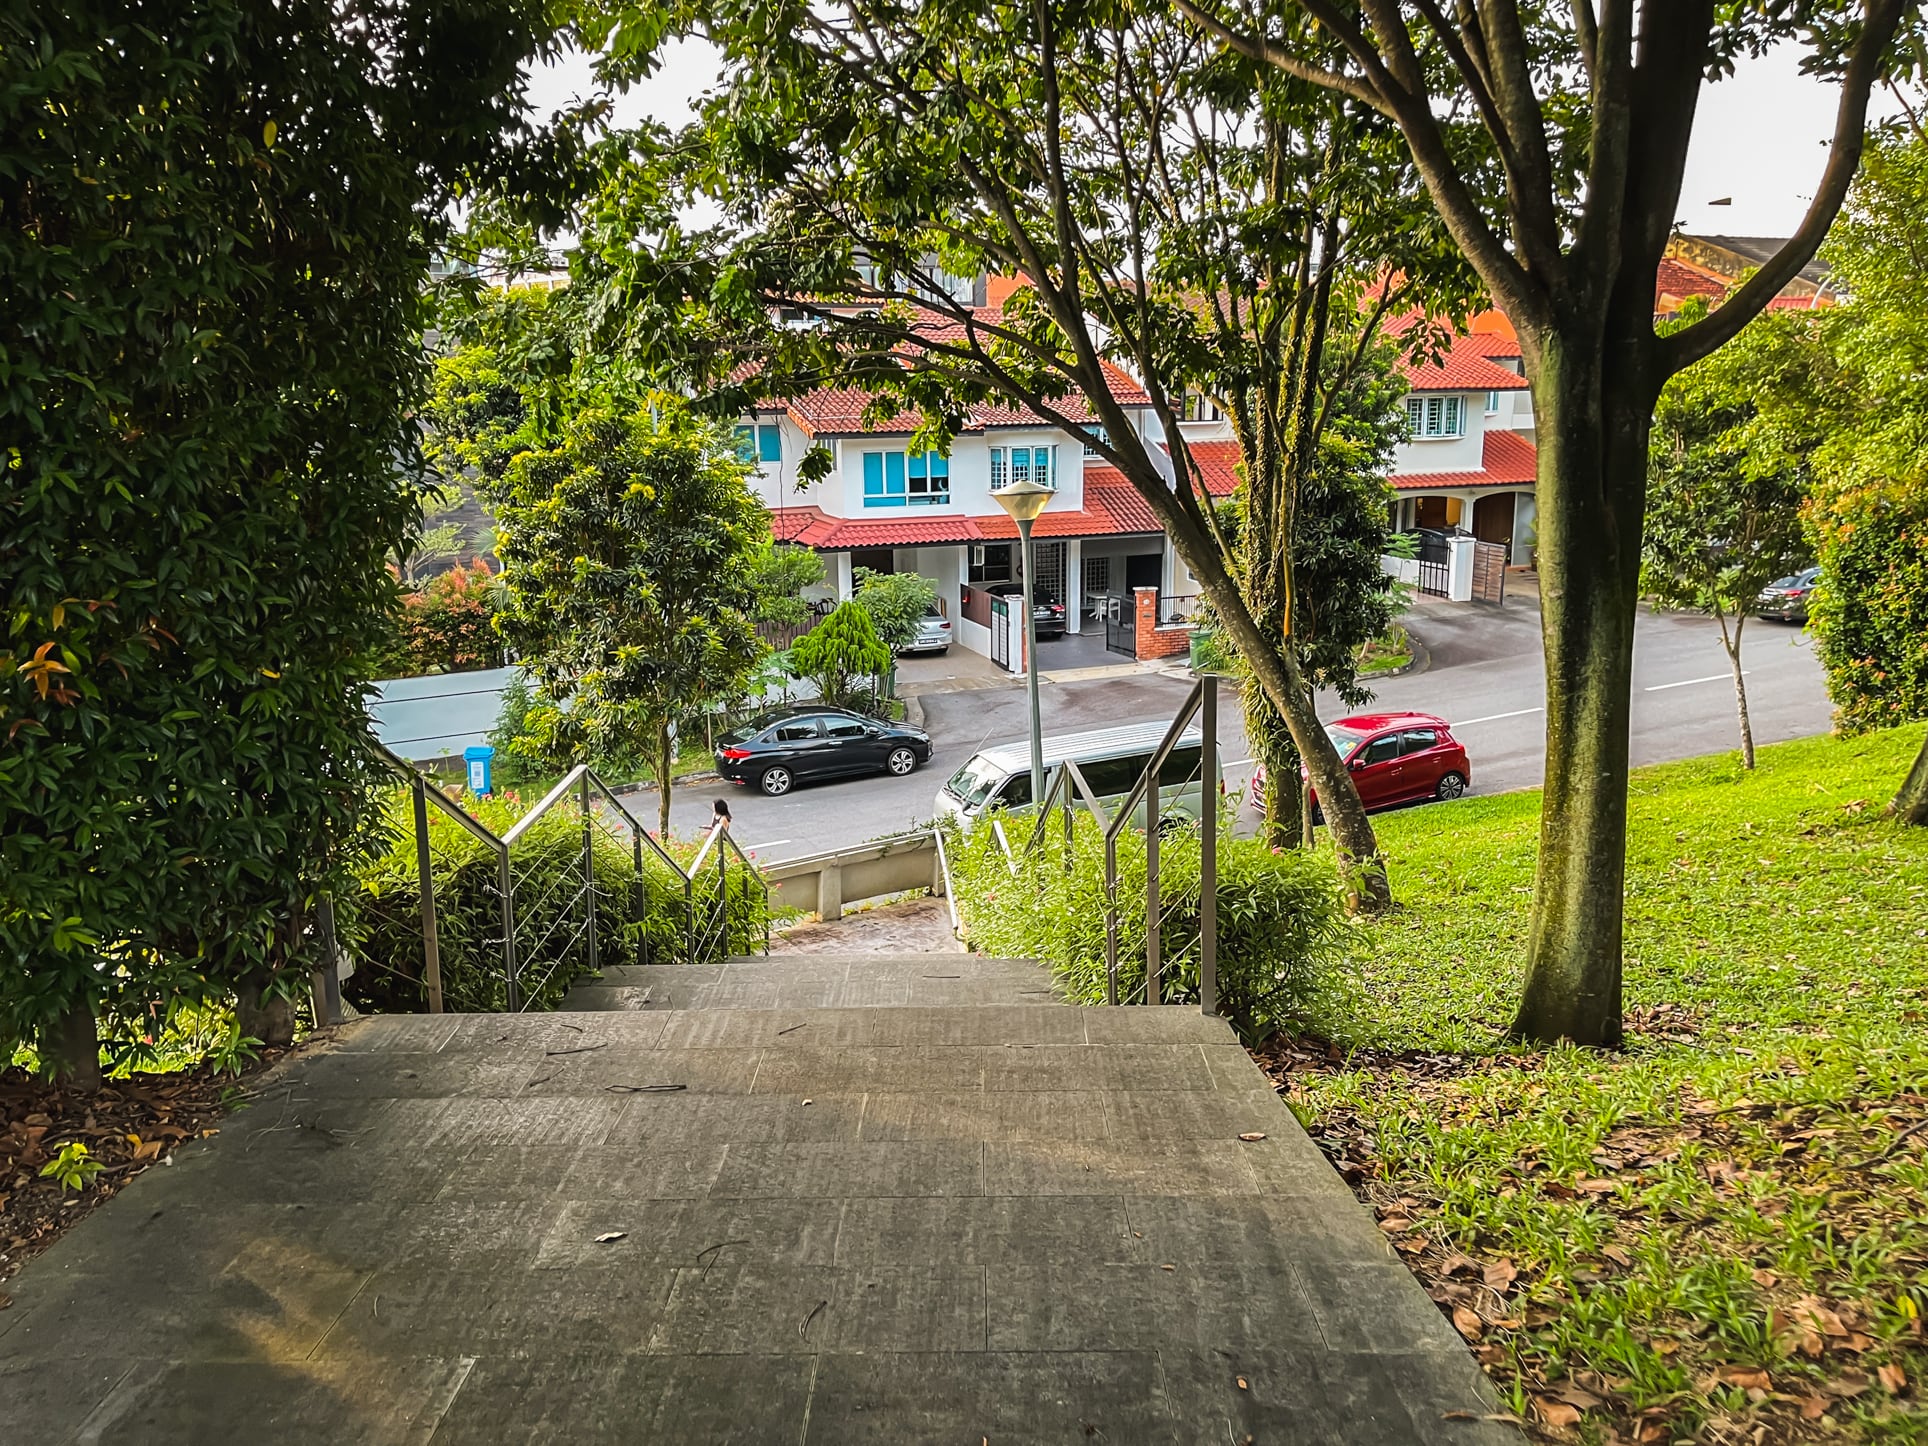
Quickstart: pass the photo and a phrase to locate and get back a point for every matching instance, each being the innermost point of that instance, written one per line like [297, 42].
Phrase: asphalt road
[1485, 677]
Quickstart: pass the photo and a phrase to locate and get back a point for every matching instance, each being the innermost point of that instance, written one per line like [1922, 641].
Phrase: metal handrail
[717, 929]
[950, 888]
[1201, 702]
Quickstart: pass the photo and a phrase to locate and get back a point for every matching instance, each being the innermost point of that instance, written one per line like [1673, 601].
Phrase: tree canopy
[627, 545]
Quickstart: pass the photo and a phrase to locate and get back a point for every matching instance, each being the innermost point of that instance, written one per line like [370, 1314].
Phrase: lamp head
[1024, 500]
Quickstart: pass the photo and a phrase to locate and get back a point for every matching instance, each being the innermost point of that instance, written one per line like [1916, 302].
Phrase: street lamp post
[1024, 501]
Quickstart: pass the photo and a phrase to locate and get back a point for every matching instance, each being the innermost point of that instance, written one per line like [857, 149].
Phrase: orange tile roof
[1466, 368]
[1506, 459]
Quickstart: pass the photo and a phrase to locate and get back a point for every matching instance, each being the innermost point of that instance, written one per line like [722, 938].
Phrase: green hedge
[1870, 614]
[639, 919]
[1280, 923]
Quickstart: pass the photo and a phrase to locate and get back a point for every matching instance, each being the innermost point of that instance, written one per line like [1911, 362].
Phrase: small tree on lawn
[838, 650]
[894, 602]
[626, 551]
[1727, 479]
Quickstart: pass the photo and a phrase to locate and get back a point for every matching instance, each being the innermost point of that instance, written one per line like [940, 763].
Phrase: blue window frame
[892, 479]
[763, 443]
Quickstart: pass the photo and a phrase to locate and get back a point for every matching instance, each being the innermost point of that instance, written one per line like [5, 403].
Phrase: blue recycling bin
[479, 759]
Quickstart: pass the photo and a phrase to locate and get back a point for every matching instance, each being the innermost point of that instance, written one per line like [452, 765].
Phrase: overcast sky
[1760, 137]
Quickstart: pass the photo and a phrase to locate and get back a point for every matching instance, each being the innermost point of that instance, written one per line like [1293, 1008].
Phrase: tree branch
[1687, 346]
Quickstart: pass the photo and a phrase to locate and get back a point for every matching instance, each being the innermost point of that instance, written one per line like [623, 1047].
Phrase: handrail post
[723, 895]
[589, 873]
[1153, 943]
[431, 945]
[639, 885]
[327, 978]
[1208, 845]
[1111, 918]
[506, 882]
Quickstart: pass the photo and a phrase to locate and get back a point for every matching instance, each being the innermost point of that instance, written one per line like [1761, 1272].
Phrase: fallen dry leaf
[1748, 1378]
[608, 1236]
[1813, 1408]
[1459, 1265]
[1555, 1412]
[1252, 1136]
[1617, 1254]
[1500, 1275]
[1893, 1377]
[1242, 1384]
[1468, 1323]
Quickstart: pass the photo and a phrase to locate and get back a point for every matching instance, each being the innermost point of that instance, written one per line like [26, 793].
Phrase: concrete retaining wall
[824, 883]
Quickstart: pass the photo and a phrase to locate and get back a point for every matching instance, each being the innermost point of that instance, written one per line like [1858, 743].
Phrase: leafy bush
[1279, 921]
[840, 654]
[1870, 615]
[895, 603]
[447, 625]
[640, 919]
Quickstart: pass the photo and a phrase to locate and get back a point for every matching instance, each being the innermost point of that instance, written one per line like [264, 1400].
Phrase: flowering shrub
[448, 626]
[1279, 919]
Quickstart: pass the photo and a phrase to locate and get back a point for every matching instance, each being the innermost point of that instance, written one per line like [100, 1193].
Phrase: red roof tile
[1465, 368]
[1108, 511]
[1679, 280]
[1507, 460]
[1219, 462]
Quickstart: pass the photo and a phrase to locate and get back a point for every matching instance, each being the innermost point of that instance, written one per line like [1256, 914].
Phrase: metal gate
[1489, 572]
[1047, 560]
[1435, 562]
[1121, 625]
[1001, 632]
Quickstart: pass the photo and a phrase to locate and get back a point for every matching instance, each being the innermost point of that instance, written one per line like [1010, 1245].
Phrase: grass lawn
[1721, 1233]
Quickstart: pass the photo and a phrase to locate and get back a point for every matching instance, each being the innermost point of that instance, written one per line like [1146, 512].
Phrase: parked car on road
[781, 749]
[1786, 598]
[1111, 759]
[1394, 758]
[1047, 611]
[933, 633]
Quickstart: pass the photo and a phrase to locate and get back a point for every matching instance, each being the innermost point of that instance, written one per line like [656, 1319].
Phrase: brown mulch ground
[130, 1126]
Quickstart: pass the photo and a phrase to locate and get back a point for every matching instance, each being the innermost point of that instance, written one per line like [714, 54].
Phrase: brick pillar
[1145, 606]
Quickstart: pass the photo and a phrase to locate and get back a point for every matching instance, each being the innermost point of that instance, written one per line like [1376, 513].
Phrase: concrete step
[819, 981]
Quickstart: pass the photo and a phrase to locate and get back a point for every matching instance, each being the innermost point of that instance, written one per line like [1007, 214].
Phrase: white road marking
[769, 843]
[1495, 717]
[1689, 682]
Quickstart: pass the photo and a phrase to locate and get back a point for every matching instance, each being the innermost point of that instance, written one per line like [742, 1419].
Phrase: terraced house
[1468, 466]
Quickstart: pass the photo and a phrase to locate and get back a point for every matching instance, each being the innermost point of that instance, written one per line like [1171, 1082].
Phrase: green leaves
[210, 358]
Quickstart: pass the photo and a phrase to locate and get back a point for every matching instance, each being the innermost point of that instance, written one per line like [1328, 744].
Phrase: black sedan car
[1787, 598]
[1047, 612]
[795, 745]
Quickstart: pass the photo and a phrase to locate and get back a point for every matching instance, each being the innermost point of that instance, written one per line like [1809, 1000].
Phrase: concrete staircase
[862, 1201]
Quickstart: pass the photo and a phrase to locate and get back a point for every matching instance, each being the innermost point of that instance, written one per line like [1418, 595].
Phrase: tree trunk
[1592, 474]
[1732, 643]
[1911, 803]
[71, 1044]
[665, 765]
[260, 1015]
[1272, 747]
[1276, 669]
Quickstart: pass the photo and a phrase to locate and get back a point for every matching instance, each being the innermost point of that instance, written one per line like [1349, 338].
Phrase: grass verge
[1719, 1234]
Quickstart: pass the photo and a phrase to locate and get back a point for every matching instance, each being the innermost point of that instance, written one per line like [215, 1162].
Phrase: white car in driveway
[933, 633]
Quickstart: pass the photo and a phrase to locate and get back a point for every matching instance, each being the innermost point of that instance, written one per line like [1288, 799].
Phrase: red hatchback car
[1394, 758]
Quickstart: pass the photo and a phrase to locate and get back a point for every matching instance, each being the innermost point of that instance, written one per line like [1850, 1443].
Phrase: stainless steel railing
[709, 918]
[1068, 789]
[549, 904]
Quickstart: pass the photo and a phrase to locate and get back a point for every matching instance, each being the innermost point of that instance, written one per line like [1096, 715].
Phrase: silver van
[1109, 758]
